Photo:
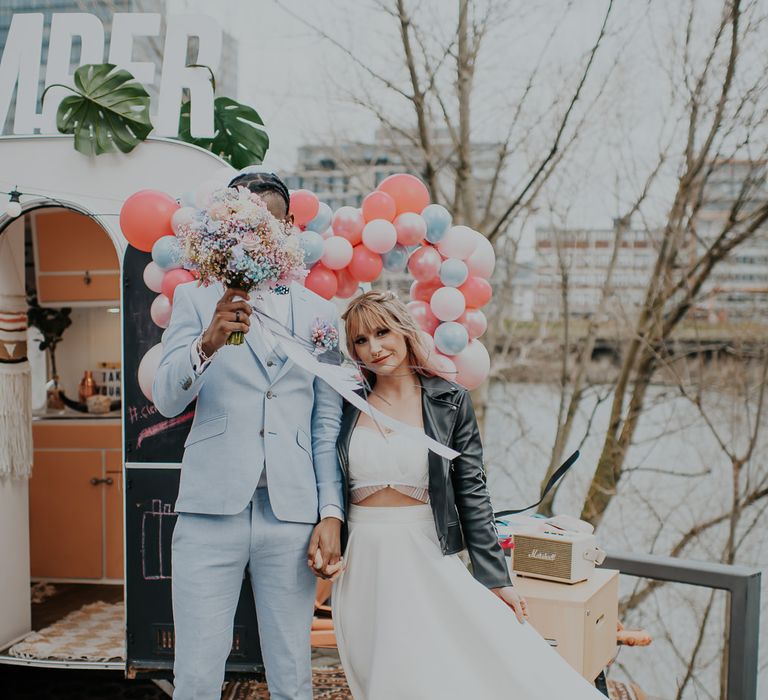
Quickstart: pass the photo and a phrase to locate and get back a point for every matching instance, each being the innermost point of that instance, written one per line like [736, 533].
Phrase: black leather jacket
[457, 490]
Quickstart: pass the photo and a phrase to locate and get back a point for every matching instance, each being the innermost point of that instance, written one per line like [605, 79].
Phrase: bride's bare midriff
[389, 498]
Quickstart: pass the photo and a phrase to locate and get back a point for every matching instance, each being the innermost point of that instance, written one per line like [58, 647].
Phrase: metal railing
[743, 584]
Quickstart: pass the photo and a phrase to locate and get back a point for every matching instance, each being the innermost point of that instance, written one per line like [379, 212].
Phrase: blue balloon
[438, 220]
[311, 243]
[187, 198]
[396, 259]
[322, 220]
[451, 338]
[453, 272]
[166, 253]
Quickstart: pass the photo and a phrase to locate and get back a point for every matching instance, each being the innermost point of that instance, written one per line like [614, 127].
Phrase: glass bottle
[87, 386]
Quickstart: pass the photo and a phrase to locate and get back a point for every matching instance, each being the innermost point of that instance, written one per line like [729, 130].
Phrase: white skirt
[412, 624]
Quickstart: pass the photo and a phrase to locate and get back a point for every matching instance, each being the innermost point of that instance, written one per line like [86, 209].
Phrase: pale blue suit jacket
[254, 411]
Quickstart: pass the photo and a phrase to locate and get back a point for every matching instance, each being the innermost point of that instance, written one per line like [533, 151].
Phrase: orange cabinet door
[96, 287]
[113, 525]
[76, 260]
[65, 514]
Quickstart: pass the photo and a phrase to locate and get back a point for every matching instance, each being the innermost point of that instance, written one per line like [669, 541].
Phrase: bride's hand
[514, 600]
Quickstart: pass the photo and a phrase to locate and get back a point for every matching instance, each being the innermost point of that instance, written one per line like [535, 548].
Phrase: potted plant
[51, 323]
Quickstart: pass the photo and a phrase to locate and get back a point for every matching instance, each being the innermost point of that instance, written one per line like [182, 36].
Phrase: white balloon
[153, 277]
[448, 303]
[459, 242]
[483, 260]
[148, 368]
[182, 217]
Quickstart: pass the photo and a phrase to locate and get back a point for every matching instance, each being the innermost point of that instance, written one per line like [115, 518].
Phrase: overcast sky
[300, 83]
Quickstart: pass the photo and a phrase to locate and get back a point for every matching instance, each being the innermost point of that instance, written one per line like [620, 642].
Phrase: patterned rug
[41, 591]
[327, 684]
[93, 633]
[331, 684]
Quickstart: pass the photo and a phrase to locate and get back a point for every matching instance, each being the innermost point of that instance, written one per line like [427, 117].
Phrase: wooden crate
[578, 619]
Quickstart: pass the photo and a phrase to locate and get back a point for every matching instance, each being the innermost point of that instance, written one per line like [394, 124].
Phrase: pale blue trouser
[210, 553]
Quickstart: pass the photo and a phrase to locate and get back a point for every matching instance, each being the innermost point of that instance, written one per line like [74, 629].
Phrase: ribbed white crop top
[394, 460]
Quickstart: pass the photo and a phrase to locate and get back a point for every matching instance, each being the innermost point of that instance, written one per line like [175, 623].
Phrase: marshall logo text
[542, 556]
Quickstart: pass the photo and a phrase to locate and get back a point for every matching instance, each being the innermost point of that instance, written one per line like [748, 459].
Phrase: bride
[411, 621]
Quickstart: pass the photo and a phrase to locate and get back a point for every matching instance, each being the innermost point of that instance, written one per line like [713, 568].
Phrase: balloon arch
[396, 229]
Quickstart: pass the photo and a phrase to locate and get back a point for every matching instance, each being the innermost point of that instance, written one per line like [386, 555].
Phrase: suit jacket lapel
[298, 300]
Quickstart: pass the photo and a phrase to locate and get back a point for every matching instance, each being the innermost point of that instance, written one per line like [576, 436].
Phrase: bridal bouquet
[237, 241]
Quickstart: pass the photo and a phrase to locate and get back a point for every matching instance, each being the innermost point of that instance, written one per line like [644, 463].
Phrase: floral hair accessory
[325, 337]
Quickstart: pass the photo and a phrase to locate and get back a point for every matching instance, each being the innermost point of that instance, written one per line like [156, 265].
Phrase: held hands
[513, 599]
[324, 551]
[230, 315]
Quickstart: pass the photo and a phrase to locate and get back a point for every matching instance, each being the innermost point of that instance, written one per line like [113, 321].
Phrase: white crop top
[394, 460]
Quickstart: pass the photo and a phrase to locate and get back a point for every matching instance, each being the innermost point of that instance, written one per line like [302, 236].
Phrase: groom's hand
[324, 551]
[225, 320]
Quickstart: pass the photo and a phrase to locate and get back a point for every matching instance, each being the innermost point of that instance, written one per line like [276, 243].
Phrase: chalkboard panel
[149, 436]
[149, 522]
[150, 494]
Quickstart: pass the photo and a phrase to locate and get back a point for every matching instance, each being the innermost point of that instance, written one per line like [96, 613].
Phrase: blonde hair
[373, 310]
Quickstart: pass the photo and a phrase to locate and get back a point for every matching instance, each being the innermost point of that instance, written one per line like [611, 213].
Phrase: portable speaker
[553, 555]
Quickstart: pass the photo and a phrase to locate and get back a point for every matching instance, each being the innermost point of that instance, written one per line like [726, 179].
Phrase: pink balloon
[423, 291]
[411, 228]
[304, 206]
[379, 236]
[160, 311]
[148, 368]
[366, 265]
[409, 193]
[448, 303]
[172, 279]
[477, 291]
[475, 322]
[422, 314]
[153, 277]
[425, 263]
[483, 260]
[459, 242]
[379, 205]
[473, 365]
[347, 285]
[337, 253]
[443, 366]
[322, 281]
[348, 222]
[146, 216]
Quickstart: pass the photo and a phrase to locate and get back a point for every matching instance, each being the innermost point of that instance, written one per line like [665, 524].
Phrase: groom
[259, 470]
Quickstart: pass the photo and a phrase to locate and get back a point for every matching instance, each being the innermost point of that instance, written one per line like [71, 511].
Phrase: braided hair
[264, 183]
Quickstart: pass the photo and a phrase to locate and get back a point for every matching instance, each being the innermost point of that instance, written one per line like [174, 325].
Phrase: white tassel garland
[15, 420]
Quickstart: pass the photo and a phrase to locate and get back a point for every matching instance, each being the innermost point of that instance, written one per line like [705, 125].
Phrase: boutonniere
[325, 337]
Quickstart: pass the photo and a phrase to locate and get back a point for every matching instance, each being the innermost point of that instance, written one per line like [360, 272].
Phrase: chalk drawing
[156, 531]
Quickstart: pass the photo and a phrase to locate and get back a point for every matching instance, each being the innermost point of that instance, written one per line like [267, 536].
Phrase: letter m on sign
[20, 71]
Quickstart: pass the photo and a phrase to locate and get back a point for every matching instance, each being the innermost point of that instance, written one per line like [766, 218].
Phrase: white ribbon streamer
[344, 381]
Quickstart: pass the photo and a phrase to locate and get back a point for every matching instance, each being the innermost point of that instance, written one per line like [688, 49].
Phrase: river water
[676, 475]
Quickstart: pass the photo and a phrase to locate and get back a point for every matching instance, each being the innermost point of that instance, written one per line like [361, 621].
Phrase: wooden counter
[76, 499]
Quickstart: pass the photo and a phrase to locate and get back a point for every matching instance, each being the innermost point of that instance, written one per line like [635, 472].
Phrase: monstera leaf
[237, 136]
[109, 110]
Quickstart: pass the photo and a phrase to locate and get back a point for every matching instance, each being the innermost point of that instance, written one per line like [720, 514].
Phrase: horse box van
[85, 580]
